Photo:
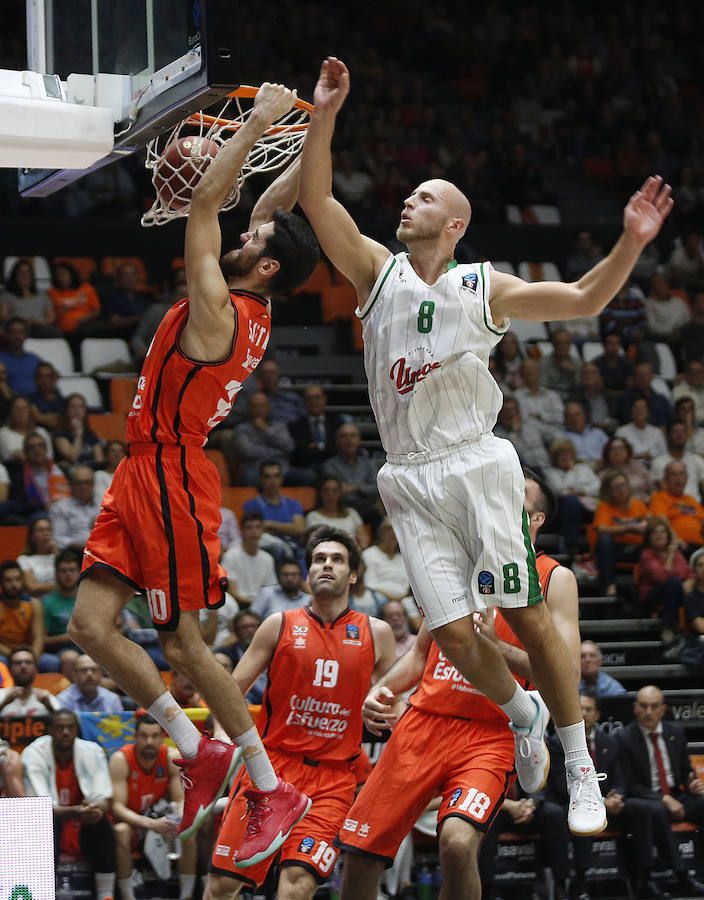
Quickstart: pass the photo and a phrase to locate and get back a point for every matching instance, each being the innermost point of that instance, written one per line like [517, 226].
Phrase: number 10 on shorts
[156, 601]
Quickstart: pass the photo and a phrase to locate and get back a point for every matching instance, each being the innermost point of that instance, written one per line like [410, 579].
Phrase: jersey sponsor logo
[222, 850]
[225, 403]
[299, 643]
[470, 282]
[445, 671]
[454, 798]
[141, 384]
[406, 378]
[363, 830]
[486, 583]
[252, 361]
[300, 629]
[350, 825]
[258, 334]
[320, 717]
[306, 845]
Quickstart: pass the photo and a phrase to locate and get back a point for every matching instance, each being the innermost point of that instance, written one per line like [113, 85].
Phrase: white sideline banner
[26, 849]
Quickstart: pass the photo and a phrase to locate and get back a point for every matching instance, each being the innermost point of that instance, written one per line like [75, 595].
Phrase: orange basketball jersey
[146, 786]
[178, 399]
[444, 692]
[69, 794]
[318, 678]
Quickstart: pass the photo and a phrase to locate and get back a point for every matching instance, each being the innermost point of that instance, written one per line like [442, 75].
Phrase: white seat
[668, 366]
[549, 272]
[528, 331]
[591, 350]
[84, 385]
[546, 215]
[42, 269]
[662, 387]
[97, 352]
[513, 214]
[52, 350]
[503, 265]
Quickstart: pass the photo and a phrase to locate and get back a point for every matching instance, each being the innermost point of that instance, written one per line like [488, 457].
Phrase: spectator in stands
[39, 482]
[75, 440]
[684, 513]
[22, 298]
[47, 402]
[536, 401]
[617, 456]
[692, 386]
[244, 624]
[331, 509]
[37, 561]
[587, 439]
[394, 613]
[664, 576]
[559, 370]
[314, 433]
[576, 487]
[75, 302]
[694, 599]
[508, 357]
[350, 180]
[10, 509]
[592, 678]
[248, 567]
[283, 516]
[260, 438]
[676, 443]
[386, 573]
[151, 318]
[686, 265]
[625, 315]
[215, 623]
[616, 369]
[363, 598]
[591, 393]
[21, 618]
[19, 364]
[185, 693]
[229, 530]
[6, 394]
[137, 625]
[87, 694]
[23, 699]
[585, 256]
[145, 782]
[684, 412]
[11, 782]
[619, 524]
[124, 304]
[667, 314]
[529, 436]
[20, 423]
[58, 604]
[357, 472]
[646, 440]
[659, 409]
[73, 516]
[74, 773]
[657, 767]
[288, 593]
[693, 337]
[115, 452]
[284, 406]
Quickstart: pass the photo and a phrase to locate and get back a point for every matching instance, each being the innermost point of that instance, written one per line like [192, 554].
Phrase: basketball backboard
[174, 56]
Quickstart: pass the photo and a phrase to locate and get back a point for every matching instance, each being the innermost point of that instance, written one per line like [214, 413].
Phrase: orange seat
[122, 391]
[304, 495]
[234, 498]
[318, 281]
[110, 264]
[84, 265]
[339, 301]
[217, 457]
[108, 426]
[13, 540]
[599, 169]
[54, 682]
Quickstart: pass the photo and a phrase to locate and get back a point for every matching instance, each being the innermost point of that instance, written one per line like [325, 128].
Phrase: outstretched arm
[548, 300]
[356, 256]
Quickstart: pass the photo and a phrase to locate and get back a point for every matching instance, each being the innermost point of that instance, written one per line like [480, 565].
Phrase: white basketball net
[281, 142]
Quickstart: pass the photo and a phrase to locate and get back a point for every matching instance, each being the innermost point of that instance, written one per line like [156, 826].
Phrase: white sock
[187, 883]
[574, 743]
[255, 758]
[104, 885]
[176, 723]
[520, 709]
[126, 888]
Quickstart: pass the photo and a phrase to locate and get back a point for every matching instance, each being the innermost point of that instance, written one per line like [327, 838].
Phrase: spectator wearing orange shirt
[74, 301]
[619, 522]
[685, 514]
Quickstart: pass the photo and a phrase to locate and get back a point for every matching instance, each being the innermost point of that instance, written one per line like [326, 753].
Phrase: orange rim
[246, 91]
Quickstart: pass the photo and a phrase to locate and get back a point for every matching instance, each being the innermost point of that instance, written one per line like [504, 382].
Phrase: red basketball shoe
[272, 815]
[205, 780]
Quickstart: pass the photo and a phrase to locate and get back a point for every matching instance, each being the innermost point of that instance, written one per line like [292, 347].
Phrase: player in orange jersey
[144, 774]
[453, 741]
[157, 529]
[321, 659]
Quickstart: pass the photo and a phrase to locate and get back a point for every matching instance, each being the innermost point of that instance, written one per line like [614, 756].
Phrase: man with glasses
[73, 517]
[87, 694]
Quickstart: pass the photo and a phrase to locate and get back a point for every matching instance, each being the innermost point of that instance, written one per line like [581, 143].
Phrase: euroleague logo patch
[469, 282]
[486, 583]
[306, 845]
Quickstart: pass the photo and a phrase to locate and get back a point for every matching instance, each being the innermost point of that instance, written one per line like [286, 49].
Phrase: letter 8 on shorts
[310, 844]
[462, 530]
[157, 530]
[469, 763]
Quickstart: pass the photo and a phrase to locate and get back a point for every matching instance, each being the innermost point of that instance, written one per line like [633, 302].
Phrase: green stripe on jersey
[535, 592]
[383, 280]
[485, 302]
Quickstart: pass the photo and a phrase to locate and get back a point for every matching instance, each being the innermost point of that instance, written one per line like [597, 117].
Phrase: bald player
[454, 491]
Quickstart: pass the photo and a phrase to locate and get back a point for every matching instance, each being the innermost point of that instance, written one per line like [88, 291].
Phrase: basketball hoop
[174, 175]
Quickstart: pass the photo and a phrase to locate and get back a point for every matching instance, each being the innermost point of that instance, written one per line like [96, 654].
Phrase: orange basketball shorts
[158, 530]
[310, 844]
[469, 763]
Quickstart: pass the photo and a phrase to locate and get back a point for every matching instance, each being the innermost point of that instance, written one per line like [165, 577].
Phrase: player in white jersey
[453, 491]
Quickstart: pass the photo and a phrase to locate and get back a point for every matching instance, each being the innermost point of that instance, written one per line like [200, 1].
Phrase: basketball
[182, 165]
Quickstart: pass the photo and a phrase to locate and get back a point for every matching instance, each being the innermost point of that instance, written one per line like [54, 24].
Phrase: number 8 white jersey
[426, 353]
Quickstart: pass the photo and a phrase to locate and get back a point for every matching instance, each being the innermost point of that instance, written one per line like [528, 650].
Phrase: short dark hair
[68, 554]
[288, 561]
[70, 268]
[328, 533]
[242, 614]
[265, 464]
[294, 247]
[8, 565]
[145, 719]
[21, 648]
[251, 515]
[592, 694]
[59, 713]
[13, 321]
[547, 502]
[11, 283]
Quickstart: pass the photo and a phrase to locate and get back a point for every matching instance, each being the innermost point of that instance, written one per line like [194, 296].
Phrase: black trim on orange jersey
[177, 418]
[113, 571]
[204, 561]
[172, 623]
[350, 848]
[236, 876]
[235, 333]
[321, 879]
[320, 622]
[157, 393]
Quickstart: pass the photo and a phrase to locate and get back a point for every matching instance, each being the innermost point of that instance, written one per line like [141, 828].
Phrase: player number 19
[324, 856]
[326, 673]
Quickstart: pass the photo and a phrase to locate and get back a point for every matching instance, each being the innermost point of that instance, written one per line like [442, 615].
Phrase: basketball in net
[178, 158]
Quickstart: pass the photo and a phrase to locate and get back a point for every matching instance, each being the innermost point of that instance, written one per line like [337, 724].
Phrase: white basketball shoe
[586, 813]
[532, 757]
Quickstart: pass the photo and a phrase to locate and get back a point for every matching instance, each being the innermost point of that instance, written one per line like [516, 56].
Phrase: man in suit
[657, 768]
[314, 433]
[631, 815]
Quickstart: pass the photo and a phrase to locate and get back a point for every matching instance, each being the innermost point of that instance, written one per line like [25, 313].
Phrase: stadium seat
[84, 385]
[339, 301]
[234, 498]
[122, 391]
[668, 366]
[54, 682]
[108, 426]
[13, 540]
[504, 266]
[513, 214]
[662, 387]
[529, 331]
[52, 350]
[99, 352]
[546, 214]
[591, 350]
[86, 266]
[319, 280]
[217, 458]
[599, 169]
[42, 269]
[539, 271]
[109, 265]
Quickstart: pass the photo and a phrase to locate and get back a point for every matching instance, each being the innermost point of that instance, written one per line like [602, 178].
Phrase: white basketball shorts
[461, 527]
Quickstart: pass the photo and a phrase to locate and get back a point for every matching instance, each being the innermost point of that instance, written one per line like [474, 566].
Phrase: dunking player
[453, 491]
[321, 660]
[157, 530]
[452, 741]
